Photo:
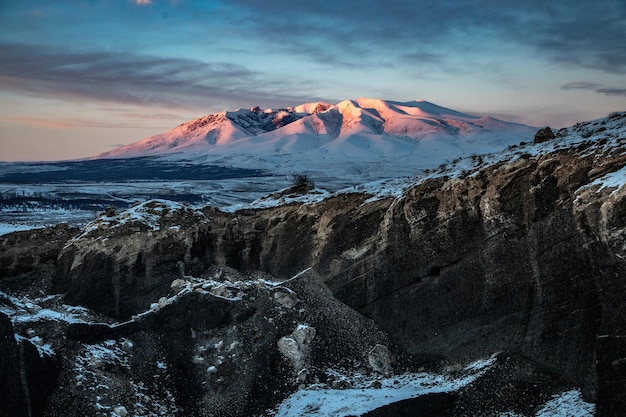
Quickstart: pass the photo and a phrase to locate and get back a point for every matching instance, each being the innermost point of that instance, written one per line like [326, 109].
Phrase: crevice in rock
[24, 379]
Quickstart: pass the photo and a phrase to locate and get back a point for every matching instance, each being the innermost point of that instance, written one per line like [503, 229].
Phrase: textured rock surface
[28, 258]
[544, 135]
[525, 254]
[12, 400]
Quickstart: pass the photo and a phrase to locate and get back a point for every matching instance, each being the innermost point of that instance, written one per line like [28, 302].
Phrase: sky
[79, 77]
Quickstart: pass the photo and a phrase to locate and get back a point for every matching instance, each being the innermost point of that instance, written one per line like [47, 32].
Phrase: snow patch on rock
[567, 404]
[361, 393]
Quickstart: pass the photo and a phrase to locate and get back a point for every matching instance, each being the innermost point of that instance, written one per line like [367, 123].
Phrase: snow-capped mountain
[353, 136]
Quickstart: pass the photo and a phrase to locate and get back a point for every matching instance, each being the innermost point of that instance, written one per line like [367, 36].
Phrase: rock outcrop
[524, 254]
[13, 400]
[543, 135]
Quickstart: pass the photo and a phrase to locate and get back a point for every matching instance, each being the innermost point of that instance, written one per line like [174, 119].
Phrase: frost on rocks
[24, 310]
[44, 349]
[225, 289]
[612, 181]
[567, 404]
[304, 334]
[103, 373]
[149, 215]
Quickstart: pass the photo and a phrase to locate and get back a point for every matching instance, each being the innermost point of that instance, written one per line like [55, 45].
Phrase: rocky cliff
[168, 310]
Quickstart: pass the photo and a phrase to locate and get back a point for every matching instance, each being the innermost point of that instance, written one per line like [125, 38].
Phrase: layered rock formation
[201, 312]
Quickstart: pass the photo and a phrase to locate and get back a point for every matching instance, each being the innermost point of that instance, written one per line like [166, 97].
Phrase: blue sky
[77, 77]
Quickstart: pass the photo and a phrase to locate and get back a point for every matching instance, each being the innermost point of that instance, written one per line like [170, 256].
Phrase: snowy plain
[231, 160]
[43, 203]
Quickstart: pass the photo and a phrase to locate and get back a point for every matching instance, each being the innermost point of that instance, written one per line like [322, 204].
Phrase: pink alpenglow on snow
[379, 137]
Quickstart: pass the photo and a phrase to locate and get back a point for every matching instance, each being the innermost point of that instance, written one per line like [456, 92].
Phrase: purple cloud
[137, 79]
[598, 88]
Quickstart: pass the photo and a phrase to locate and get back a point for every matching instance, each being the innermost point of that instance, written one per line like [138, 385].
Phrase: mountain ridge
[363, 129]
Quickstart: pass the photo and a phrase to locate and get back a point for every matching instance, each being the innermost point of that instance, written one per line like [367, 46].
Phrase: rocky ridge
[165, 309]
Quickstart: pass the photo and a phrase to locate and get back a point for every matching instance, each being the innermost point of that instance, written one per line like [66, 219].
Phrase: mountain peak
[312, 108]
[314, 135]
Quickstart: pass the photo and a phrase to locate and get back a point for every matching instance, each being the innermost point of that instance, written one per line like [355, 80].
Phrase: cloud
[612, 91]
[34, 121]
[580, 85]
[573, 34]
[350, 34]
[136, 79]
[143, 2]
[64, 122]
[598, 88]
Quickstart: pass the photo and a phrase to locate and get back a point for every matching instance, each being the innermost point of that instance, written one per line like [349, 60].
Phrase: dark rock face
[123, 264]
[211, 348]
[28, 258]
[516, 384]
[468, 272]
[27, 377]
[12, 401]
[526, 255]
[422, 406]
[543, 135]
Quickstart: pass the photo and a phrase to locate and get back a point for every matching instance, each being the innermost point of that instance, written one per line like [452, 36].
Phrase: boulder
[543, 135]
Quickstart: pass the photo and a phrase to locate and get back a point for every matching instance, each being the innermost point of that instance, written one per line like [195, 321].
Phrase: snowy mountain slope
[372, 137]
[215, 129]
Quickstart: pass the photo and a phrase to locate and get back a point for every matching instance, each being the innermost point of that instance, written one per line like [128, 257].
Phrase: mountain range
[371, 138]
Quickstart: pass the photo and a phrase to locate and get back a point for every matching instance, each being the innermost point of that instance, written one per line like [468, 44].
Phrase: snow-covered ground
[63, 198]
[567, 404]
[363, 396]
[612, 181]
[6, 228]
[317, 401]
[49, 308]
